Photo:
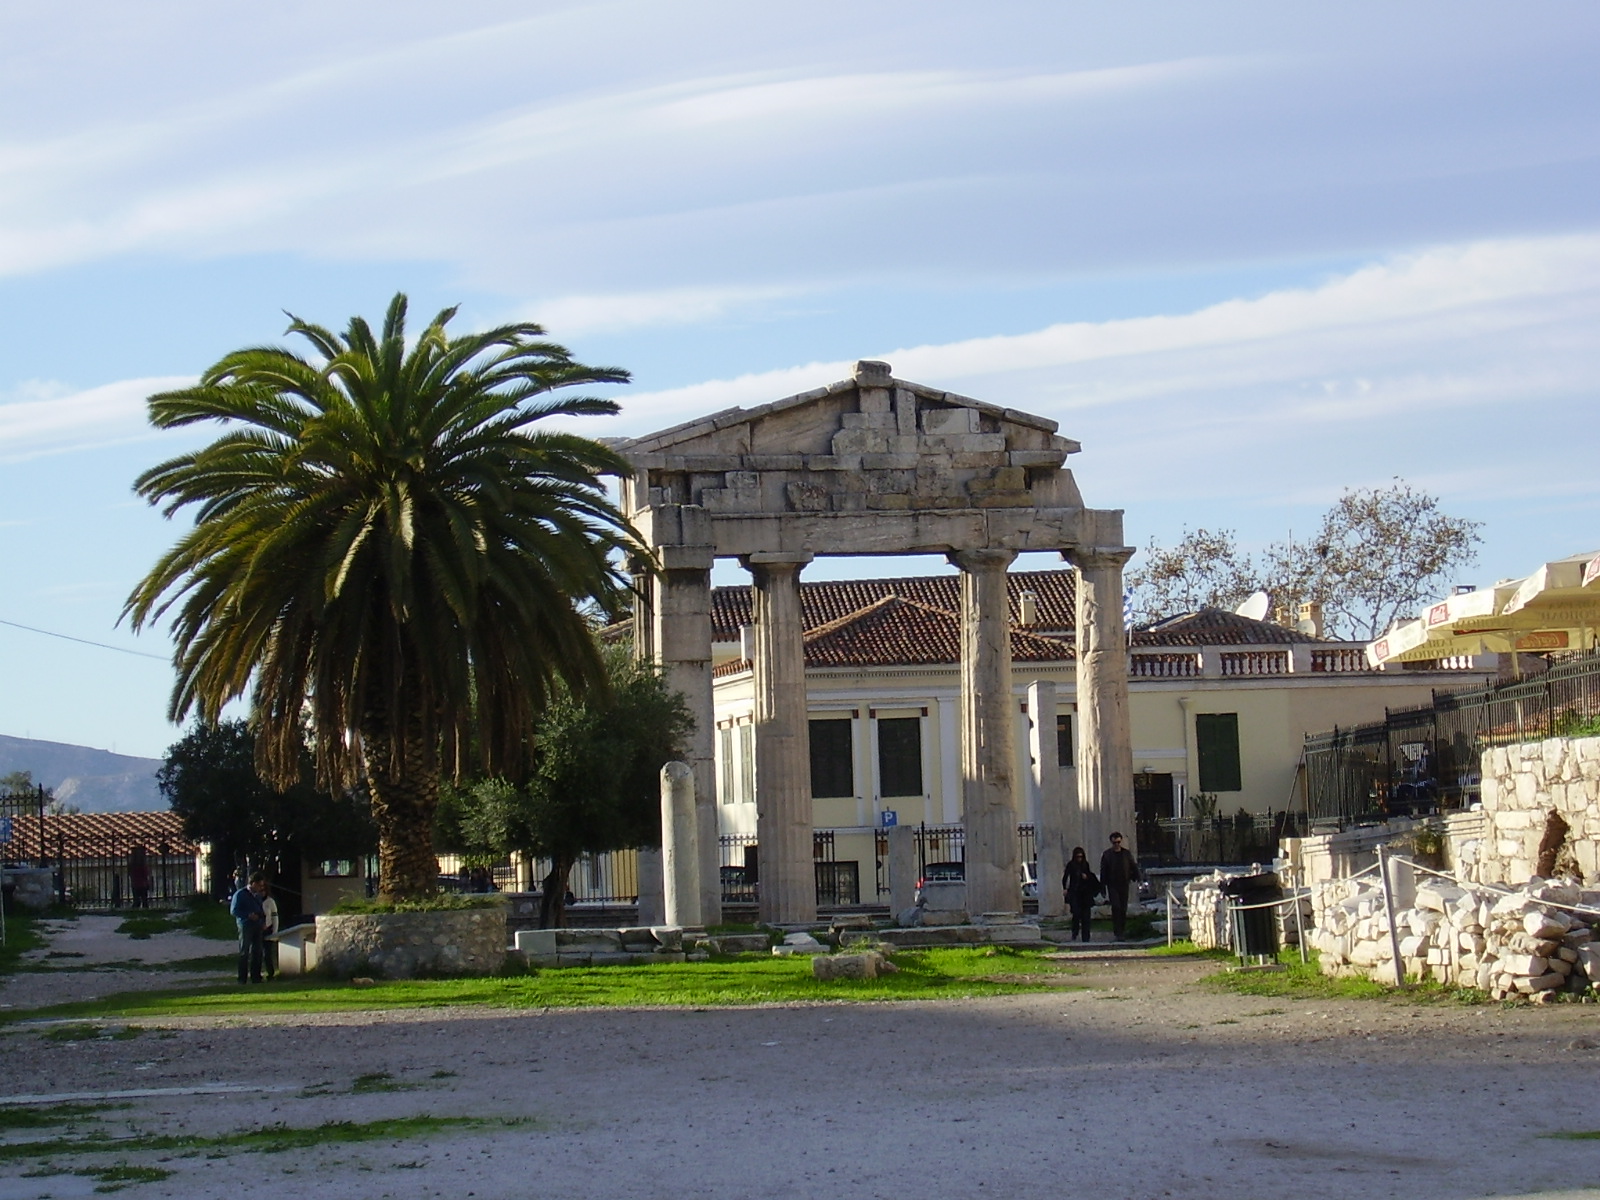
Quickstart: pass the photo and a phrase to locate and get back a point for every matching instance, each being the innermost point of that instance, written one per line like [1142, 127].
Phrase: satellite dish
[1255, 608]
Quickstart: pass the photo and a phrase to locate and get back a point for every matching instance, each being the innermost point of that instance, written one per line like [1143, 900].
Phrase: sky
[1248, 255]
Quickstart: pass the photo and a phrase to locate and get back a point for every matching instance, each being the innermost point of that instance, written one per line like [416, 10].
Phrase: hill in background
[92, 780]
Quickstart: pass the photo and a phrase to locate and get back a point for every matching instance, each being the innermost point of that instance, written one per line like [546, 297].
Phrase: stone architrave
[680, 860]
[874, 465]
[681, 642]
[988, 734]
[1050, 834]
[1105, 739]
[782, 742]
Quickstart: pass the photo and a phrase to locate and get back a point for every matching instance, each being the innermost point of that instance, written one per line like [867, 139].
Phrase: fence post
[1388, 908]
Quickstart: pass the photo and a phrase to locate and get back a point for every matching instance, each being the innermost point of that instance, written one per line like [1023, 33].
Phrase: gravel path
[1143, 1083]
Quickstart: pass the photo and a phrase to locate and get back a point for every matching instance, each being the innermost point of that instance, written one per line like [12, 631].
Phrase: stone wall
[1528, 942]
[29, 887]
[1523, 786]
[411, 945]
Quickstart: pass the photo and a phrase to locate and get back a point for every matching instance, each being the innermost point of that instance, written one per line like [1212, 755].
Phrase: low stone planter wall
[410, 945]
[31, 887]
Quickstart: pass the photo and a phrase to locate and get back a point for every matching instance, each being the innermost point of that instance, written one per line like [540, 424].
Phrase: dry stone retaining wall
[1521, 943]
[1522, 786]
[411, 944]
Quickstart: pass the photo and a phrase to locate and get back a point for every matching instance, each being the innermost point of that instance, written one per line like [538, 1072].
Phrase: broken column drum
[869, 465]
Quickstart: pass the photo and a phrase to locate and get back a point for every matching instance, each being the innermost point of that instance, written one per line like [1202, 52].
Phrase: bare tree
[1378, 553]
[1205, 569]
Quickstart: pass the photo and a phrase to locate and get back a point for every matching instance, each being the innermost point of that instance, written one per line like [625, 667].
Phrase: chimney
[1310, 619]
[1028, 608]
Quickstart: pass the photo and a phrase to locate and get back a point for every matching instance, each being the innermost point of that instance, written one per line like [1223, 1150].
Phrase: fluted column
[988, 734]
[681, 641]
[1050, 835]
[1105, 742]
[783, 744]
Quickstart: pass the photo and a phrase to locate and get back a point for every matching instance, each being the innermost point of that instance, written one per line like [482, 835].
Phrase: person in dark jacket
[1118, 869]
[1081, 887]
[251, 917]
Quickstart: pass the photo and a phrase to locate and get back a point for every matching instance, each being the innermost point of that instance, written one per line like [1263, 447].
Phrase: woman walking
[1081, 886]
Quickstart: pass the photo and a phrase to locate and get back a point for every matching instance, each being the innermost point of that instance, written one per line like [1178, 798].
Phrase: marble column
[680, 858]
[783, 744]
[1105, 741]
[988, 734]
[681, 641]
[1050, 834]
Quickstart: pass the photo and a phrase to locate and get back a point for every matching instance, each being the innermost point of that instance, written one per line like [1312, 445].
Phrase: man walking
[251, 917]
[1118, 869]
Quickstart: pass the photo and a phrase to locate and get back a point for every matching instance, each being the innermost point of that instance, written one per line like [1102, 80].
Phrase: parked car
[956, 872]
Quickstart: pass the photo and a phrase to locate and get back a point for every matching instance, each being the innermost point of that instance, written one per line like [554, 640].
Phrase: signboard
[891, 818]
[5, 830]
[1591, 572]
[1549, 639]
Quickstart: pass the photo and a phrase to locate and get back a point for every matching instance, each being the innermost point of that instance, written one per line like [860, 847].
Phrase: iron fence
[1418, 761]
[1216, 841]
[94, 872]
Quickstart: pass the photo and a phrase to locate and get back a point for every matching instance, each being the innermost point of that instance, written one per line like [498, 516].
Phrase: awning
[1555, 608]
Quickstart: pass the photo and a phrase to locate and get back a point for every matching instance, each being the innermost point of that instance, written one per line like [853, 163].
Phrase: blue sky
[1248, 255]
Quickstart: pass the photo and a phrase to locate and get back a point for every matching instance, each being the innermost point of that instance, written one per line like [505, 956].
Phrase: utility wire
[67, 637]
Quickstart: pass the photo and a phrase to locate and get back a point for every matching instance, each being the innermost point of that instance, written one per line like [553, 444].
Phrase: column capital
[686, 558]
[1088, 558]
[993, 558]
[776, 558]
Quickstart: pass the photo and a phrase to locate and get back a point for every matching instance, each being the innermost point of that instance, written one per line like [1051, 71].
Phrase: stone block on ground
[541, 942]
[850, 966]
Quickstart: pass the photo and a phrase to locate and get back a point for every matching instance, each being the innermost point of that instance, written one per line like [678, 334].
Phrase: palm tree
[383, 547]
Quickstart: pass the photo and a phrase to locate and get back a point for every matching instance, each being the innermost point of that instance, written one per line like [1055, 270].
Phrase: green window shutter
[1217, 740]
[832, 764]
[899, 756]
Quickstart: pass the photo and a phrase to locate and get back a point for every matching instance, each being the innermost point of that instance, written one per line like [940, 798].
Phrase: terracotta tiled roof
[896, 632]
[1218, 627]
[825, 602]
[97, 835]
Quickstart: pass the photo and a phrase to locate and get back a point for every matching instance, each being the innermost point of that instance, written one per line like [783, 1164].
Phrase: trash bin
[1255, 930]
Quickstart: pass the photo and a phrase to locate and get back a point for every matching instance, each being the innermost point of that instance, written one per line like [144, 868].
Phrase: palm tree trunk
[404, 782]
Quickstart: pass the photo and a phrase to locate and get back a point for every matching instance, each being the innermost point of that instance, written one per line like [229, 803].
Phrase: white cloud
[568, 316]
[61, 421]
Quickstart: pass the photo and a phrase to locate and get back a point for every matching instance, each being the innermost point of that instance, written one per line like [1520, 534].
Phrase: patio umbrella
[1555, 608]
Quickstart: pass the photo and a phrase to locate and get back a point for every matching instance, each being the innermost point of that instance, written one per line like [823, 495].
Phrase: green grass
[1184, 948]
[923, 975]
[207, 918]
[1305, 981]
[41, 1116]
[1585, 1135]
[439, 902]
[273, 1139]
[90, 1033]
[22, 935]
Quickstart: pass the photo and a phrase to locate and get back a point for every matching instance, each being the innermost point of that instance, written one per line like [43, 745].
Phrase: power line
[67, 637]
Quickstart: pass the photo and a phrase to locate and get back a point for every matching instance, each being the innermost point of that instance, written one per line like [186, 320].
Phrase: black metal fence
[1217, 840]
[1418, 761]
[22, 818]
[96, 873]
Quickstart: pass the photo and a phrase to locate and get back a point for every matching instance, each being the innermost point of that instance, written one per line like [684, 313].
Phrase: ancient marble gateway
[879, 465]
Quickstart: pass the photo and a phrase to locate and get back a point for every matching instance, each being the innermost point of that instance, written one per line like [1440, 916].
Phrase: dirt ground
[1142, 1084]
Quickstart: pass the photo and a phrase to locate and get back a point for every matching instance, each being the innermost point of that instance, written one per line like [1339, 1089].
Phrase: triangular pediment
[868, 443]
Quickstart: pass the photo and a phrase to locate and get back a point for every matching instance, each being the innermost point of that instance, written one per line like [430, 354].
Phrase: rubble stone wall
[1527, 942]
[1522, 786]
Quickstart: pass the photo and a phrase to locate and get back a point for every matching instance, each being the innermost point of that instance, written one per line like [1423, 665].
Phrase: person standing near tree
[1118, 870]
[269, 926]
[251, 918]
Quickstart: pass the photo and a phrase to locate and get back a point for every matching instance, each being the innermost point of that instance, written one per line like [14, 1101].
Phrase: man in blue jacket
[251, 917]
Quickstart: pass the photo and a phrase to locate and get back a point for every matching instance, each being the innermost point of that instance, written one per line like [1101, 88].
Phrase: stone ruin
[874, 465]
